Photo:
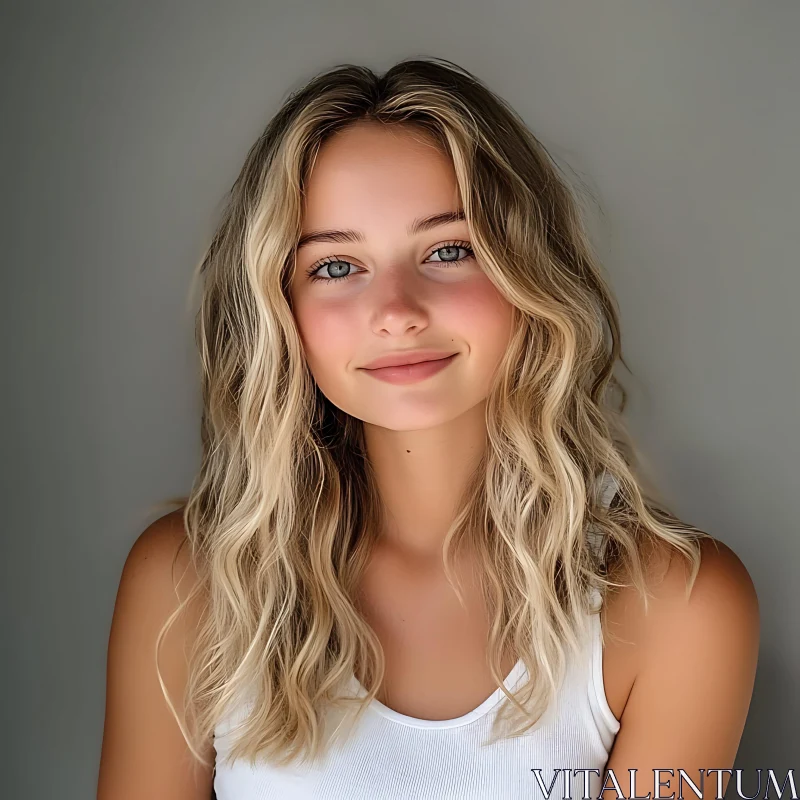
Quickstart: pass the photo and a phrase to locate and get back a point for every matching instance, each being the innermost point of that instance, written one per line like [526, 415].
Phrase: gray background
[125, 123]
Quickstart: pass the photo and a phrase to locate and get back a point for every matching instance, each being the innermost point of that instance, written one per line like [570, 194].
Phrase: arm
[144, 753]
[697, 663]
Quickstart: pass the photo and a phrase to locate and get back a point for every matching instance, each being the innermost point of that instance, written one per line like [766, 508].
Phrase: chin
[404, 417]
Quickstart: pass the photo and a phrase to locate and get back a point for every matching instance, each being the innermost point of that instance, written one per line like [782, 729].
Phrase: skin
[423, 438]
[679, 678]
[144, 753]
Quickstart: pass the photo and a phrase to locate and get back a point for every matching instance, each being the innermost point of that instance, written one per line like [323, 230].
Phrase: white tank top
[391, 756]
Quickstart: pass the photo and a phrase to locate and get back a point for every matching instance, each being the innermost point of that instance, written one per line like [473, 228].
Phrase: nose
[398, 302]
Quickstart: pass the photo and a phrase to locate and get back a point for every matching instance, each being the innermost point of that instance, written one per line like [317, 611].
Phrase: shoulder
[722, 590]
[722, 601]
[722, 597]
[158, 573]
[696, 650]
[715, 626]
[144, 753]
[157, 578]
[158, 547]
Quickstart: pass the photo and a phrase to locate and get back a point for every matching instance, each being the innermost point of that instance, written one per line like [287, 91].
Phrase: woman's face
[391, 288]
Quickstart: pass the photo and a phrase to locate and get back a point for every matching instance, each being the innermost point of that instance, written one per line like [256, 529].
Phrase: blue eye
[326, 262]
[455, 246]
[452, 248]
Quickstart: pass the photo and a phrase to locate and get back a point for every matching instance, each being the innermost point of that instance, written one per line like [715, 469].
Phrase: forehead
[370, 175]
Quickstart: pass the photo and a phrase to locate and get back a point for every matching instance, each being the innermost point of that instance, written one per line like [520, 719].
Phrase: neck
[421, 476]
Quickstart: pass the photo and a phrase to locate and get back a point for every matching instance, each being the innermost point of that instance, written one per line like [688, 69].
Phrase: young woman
[415, 497]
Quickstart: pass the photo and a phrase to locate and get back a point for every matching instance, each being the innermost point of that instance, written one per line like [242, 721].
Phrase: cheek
[329, 340]
[481, 314]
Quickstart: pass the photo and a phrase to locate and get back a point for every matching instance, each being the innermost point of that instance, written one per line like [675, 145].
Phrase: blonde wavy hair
[284, 511]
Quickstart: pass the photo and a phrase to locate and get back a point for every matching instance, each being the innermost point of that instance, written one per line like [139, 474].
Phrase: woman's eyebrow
[419, 225]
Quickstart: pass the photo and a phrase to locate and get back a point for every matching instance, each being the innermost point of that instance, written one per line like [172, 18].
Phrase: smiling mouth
[410, 363]
[411, 373]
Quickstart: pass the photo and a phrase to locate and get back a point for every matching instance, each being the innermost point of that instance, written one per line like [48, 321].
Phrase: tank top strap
[607, 491]
[607, 488]
[607, 725]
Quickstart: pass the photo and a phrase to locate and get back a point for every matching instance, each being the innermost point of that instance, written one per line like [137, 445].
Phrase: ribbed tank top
[391, 756]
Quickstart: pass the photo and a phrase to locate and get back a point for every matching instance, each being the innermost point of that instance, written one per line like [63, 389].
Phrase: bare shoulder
[161, 555]
[158, 575]
[722, 593]
[144, 753]
[696, 652]
[717, 621]
[722, 604]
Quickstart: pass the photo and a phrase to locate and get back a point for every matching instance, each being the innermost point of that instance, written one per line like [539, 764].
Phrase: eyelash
[331, 259]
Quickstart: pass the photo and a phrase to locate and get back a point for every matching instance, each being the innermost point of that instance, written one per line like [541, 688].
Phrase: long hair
[284, 510]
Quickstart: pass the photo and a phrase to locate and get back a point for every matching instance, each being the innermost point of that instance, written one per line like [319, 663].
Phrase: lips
[401, 359]
[403, 374]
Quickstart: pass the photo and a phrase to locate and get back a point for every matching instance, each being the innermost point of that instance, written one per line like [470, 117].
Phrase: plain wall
[125, 123]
